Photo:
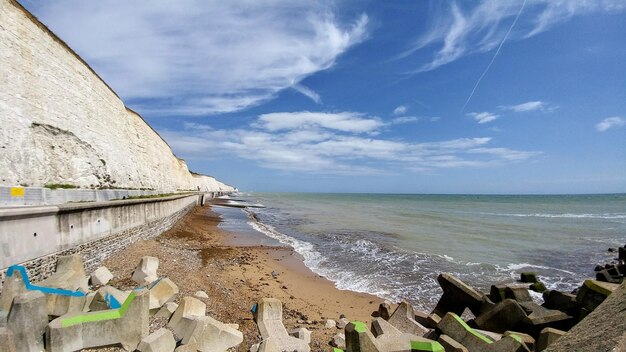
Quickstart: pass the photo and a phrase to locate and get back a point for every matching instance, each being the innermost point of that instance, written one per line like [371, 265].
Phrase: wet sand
[197, 255]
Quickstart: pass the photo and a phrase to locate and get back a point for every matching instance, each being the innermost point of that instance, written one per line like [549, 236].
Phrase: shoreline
[199, 256]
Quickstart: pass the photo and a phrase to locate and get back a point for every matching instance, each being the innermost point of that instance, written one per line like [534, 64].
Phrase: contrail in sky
[494, 56]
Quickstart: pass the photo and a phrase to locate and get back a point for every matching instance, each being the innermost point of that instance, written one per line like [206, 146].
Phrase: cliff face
[61, 123]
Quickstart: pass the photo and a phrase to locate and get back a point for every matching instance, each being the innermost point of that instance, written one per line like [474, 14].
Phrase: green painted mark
[470, 330]
[516, 338]
[99, 316]
[427, 346]
[335, 349]
[359, 326]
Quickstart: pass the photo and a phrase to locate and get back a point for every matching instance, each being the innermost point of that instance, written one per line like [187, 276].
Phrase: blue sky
[371, 96]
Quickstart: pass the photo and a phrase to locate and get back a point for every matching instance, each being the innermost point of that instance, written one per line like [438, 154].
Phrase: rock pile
[68, 315]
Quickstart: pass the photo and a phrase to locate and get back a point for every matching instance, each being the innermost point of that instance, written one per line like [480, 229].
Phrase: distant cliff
[61, 123]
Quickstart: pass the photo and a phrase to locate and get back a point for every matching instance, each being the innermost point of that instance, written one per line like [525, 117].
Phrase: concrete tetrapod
[403, 318]
[182, 319]
[457, 296]
[125, 326]
[27, 321]
[59, 299]
[453, 326]
[7, 343]
[269, 318]
[210, 335]
[390, 338]
[162, 292]
[101, 276]
[146, 271]
[70, 274]
[161, 340]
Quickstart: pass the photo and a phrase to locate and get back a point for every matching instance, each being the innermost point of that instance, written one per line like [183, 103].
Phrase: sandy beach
[197, 255]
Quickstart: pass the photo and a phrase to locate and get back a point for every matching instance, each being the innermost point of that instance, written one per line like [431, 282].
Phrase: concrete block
[426, 346]
[330, 324]
[125, 326]
[269, 318]
[88, 299]
[459, 331]
[27, 320]
[162, 292]
[360, 339]
[13, 286]
[384, 310]
[101, 276]
[540, 317]
[433, 320]
[506, 315]
[302, 334]
[167, 310]
[509, 344]
[520, 294]
[342, 322]
[69, 275]
[547, 337]
[496, 293]
[562, 301]
[475, 341]
[107, 297]
[187, 348]
[403, 318]
[528, 340]
[182, 319]
[201, 295]
[211, 335]
[146, 271]
[7, 342]
[392, 339]
[457, 296]
[422, 318]
[339, 341]
[57, 305]
[594, 292]
[493, 336]
[450, 344]
[161, 340]
[529, 277]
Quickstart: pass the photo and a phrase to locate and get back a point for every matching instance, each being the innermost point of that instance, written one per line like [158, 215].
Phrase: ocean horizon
[395, 245]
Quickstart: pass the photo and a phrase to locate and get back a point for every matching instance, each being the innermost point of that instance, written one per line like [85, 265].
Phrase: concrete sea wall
[61, 123]
[36, 236]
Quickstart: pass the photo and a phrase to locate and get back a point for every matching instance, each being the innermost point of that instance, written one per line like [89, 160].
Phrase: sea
[395, 245]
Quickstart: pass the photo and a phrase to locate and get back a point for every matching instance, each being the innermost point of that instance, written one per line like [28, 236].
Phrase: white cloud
[199, 57]
[343, 121]
[610, 122]
[400, 110]
[308, 92]
[335, 143]
[404, 119]
[467, 29]
[529, 106]
[483, 117]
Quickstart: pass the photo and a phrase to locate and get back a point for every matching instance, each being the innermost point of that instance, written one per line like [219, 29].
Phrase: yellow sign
[17, 192]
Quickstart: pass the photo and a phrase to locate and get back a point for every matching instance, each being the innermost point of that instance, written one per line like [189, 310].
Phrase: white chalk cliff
[61, 123]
